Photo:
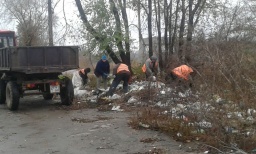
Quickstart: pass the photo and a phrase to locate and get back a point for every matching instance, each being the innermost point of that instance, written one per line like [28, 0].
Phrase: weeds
[224, 95]
[137, 72]
[226, 87]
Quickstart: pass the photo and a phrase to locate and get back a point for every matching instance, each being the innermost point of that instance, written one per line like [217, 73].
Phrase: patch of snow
[204, 124]
[162, 92]
[159, 104]
[179, 134]
[81, 93]
[144, 125]
[180, 106]
[182, 94]
[116, 108]
[141, 88]
[132, 100]
[115, 96]
[251, 112]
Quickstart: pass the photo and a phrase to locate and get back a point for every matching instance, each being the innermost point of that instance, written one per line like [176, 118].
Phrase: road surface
[45, 127]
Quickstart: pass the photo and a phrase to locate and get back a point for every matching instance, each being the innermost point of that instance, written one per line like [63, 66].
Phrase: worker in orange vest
[182, 73]
[122, 73]
[151, 67]
[80, 78]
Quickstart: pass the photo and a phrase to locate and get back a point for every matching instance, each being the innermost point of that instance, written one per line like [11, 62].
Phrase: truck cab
[7, 38]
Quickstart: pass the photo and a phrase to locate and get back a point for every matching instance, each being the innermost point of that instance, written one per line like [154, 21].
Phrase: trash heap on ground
[178, 103]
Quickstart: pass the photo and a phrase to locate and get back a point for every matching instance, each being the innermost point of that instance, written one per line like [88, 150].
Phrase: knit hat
[104, 57]
[153, 58]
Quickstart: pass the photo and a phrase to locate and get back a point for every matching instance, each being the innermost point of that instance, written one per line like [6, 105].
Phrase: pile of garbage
[178, 103]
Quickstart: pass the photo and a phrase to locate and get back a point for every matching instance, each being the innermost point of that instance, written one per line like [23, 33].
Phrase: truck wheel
[2, 92]
[47, 96]
[67, 93]
[12, 96]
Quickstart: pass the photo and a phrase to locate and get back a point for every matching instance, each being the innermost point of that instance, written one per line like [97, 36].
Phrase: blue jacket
[101, 68]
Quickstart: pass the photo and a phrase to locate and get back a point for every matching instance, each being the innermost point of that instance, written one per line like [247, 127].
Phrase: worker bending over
[122, 73]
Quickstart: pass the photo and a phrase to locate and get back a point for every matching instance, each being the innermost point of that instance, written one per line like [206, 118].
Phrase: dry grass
[137, 72]
[93, 80]
[225, 71]
[230, 72]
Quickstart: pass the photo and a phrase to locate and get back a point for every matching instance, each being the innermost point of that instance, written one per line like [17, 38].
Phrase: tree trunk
[140, 34]
[158, 20]
[50, 22]
[190, 20]
[199, 5]
[150, 42]
[118, 32]
[100, 38]
[173, 37]
[127, 59]
[166, 14]
[181, 34]
[170, 30]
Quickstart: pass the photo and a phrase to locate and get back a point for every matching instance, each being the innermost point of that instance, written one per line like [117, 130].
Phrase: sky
[71, 15]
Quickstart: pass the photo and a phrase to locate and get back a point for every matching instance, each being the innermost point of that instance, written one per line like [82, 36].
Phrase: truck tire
[12, 96]
[47, 96]
[67, 93]
[2, 92]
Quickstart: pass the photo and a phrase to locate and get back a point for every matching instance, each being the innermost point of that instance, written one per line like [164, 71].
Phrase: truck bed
[41, 59]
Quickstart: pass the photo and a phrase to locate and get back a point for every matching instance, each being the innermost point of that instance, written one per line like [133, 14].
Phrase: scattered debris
[144, 125]
[183, 107]
[116, 108]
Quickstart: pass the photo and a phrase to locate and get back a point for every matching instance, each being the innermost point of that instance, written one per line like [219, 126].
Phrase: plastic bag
[77, 80]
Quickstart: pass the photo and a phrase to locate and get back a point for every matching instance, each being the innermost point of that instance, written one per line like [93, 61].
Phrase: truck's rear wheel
[12, 96]
[47, 96]
[2, 92]
[67, 93]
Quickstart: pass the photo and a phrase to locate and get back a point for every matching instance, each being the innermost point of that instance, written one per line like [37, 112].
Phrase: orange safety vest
[144, 68]
[182, 71]
[122, 67]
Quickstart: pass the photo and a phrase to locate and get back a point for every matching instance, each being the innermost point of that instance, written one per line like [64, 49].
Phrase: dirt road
[44, 127]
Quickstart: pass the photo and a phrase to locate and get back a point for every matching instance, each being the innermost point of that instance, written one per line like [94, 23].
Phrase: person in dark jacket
[102, 71]
[122, 73]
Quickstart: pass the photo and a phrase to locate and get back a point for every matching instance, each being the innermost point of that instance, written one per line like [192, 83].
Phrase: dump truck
[35, 70]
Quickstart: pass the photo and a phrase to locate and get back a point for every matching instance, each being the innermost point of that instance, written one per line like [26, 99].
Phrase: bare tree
[50, 22]
[193, 11]
[126, 37]
[119, 37]
[166, 21]
[181, 33]
[158, 24]
[175, 25]
[32, 20]
[150, 42]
